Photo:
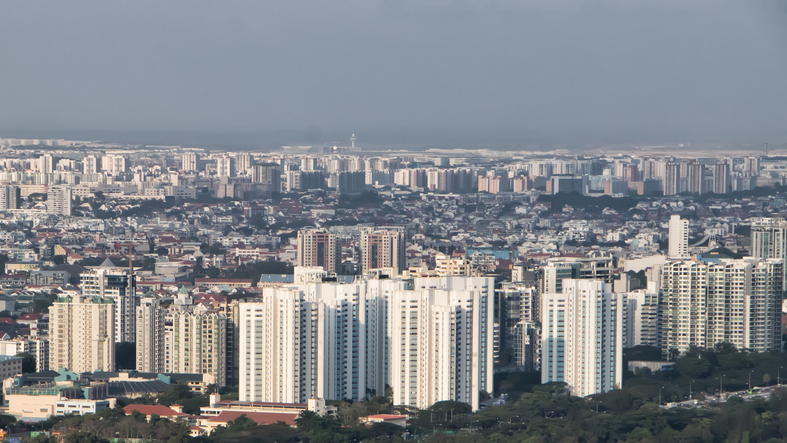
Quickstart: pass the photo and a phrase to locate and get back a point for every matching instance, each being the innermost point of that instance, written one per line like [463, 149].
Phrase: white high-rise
[225, 166]
[429, 342]
[678, 237]
[769, 239]
[90, 165]
[115, 284]
[731, 301]
[643, 317]
[188, 161]
[582, 337]
[150, 335]
[195, 343]
[58, 200]
[81, 334]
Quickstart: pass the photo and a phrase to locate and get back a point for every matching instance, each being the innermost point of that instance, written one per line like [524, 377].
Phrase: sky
[428, 72]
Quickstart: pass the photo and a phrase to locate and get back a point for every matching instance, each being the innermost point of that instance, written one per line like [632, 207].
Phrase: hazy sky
[557, 71]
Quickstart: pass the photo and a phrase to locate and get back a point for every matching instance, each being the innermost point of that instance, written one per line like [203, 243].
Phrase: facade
[769, 239]
[37, 347]
[382, 248]
[344, 341]
[678, 237]
[225, 167]
[189, 161]
[643, 317]
[115, 284]
[732, 301]
[582, 337]
[81, 334]
[150, 335]
[58, 200]
[194, 343]
[10, 197]
[319, 247]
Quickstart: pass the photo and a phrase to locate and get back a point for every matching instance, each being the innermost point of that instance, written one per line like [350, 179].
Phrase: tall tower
[678, 237]
[582, 337]
[81, 337]
[112, 283]
[382, 248]
[352, 141]
[318, 247]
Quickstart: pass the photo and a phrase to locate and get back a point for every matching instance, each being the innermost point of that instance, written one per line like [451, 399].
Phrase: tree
[695, 367]
[161, 250]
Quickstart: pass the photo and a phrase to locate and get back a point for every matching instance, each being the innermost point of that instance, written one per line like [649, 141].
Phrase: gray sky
[426, 71]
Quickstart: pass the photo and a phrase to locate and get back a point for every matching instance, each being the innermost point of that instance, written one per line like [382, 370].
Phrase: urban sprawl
[311, 274]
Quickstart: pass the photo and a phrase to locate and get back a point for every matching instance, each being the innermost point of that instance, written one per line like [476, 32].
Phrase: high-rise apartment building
[769, 239]
[58, 200]
[319, 247]
[383, 248]
[582, 337]
[671, 185]
[195, 343]
[10, 197]
[150, 335]
[90, 165]
[431, 341]
[732, 301]
[242, 162]
[721, 178]
[109, 282]
[678, 237]
[188, 161]
[46, 164]
[643, 317]
[114, 164]
[81, 334]
[225, 166]
[560, 268]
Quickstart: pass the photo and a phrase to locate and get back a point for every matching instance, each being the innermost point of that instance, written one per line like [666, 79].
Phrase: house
[175, 412]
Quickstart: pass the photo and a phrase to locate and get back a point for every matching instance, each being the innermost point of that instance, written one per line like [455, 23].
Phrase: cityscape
[376, 221]
[312, 275]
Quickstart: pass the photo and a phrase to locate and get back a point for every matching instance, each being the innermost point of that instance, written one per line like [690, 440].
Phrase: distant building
[58, 200]
[112, 283]
[582, 337]
[81, 334]
[319, 247]
[678, 237]
[383, 248]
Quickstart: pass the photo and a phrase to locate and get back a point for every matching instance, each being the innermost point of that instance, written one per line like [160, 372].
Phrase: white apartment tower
[643, 317]
[769, 239]
[242, 162]
[150, 335]
[112, 283]
[114, 164]
[81, 334]
[429, 342]
[46, 164]
[582, 337]
[732, 301]
[195, 343]
[188, 161]
[58, 200]
[225, 166]
[678, 237]
[90, 165]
